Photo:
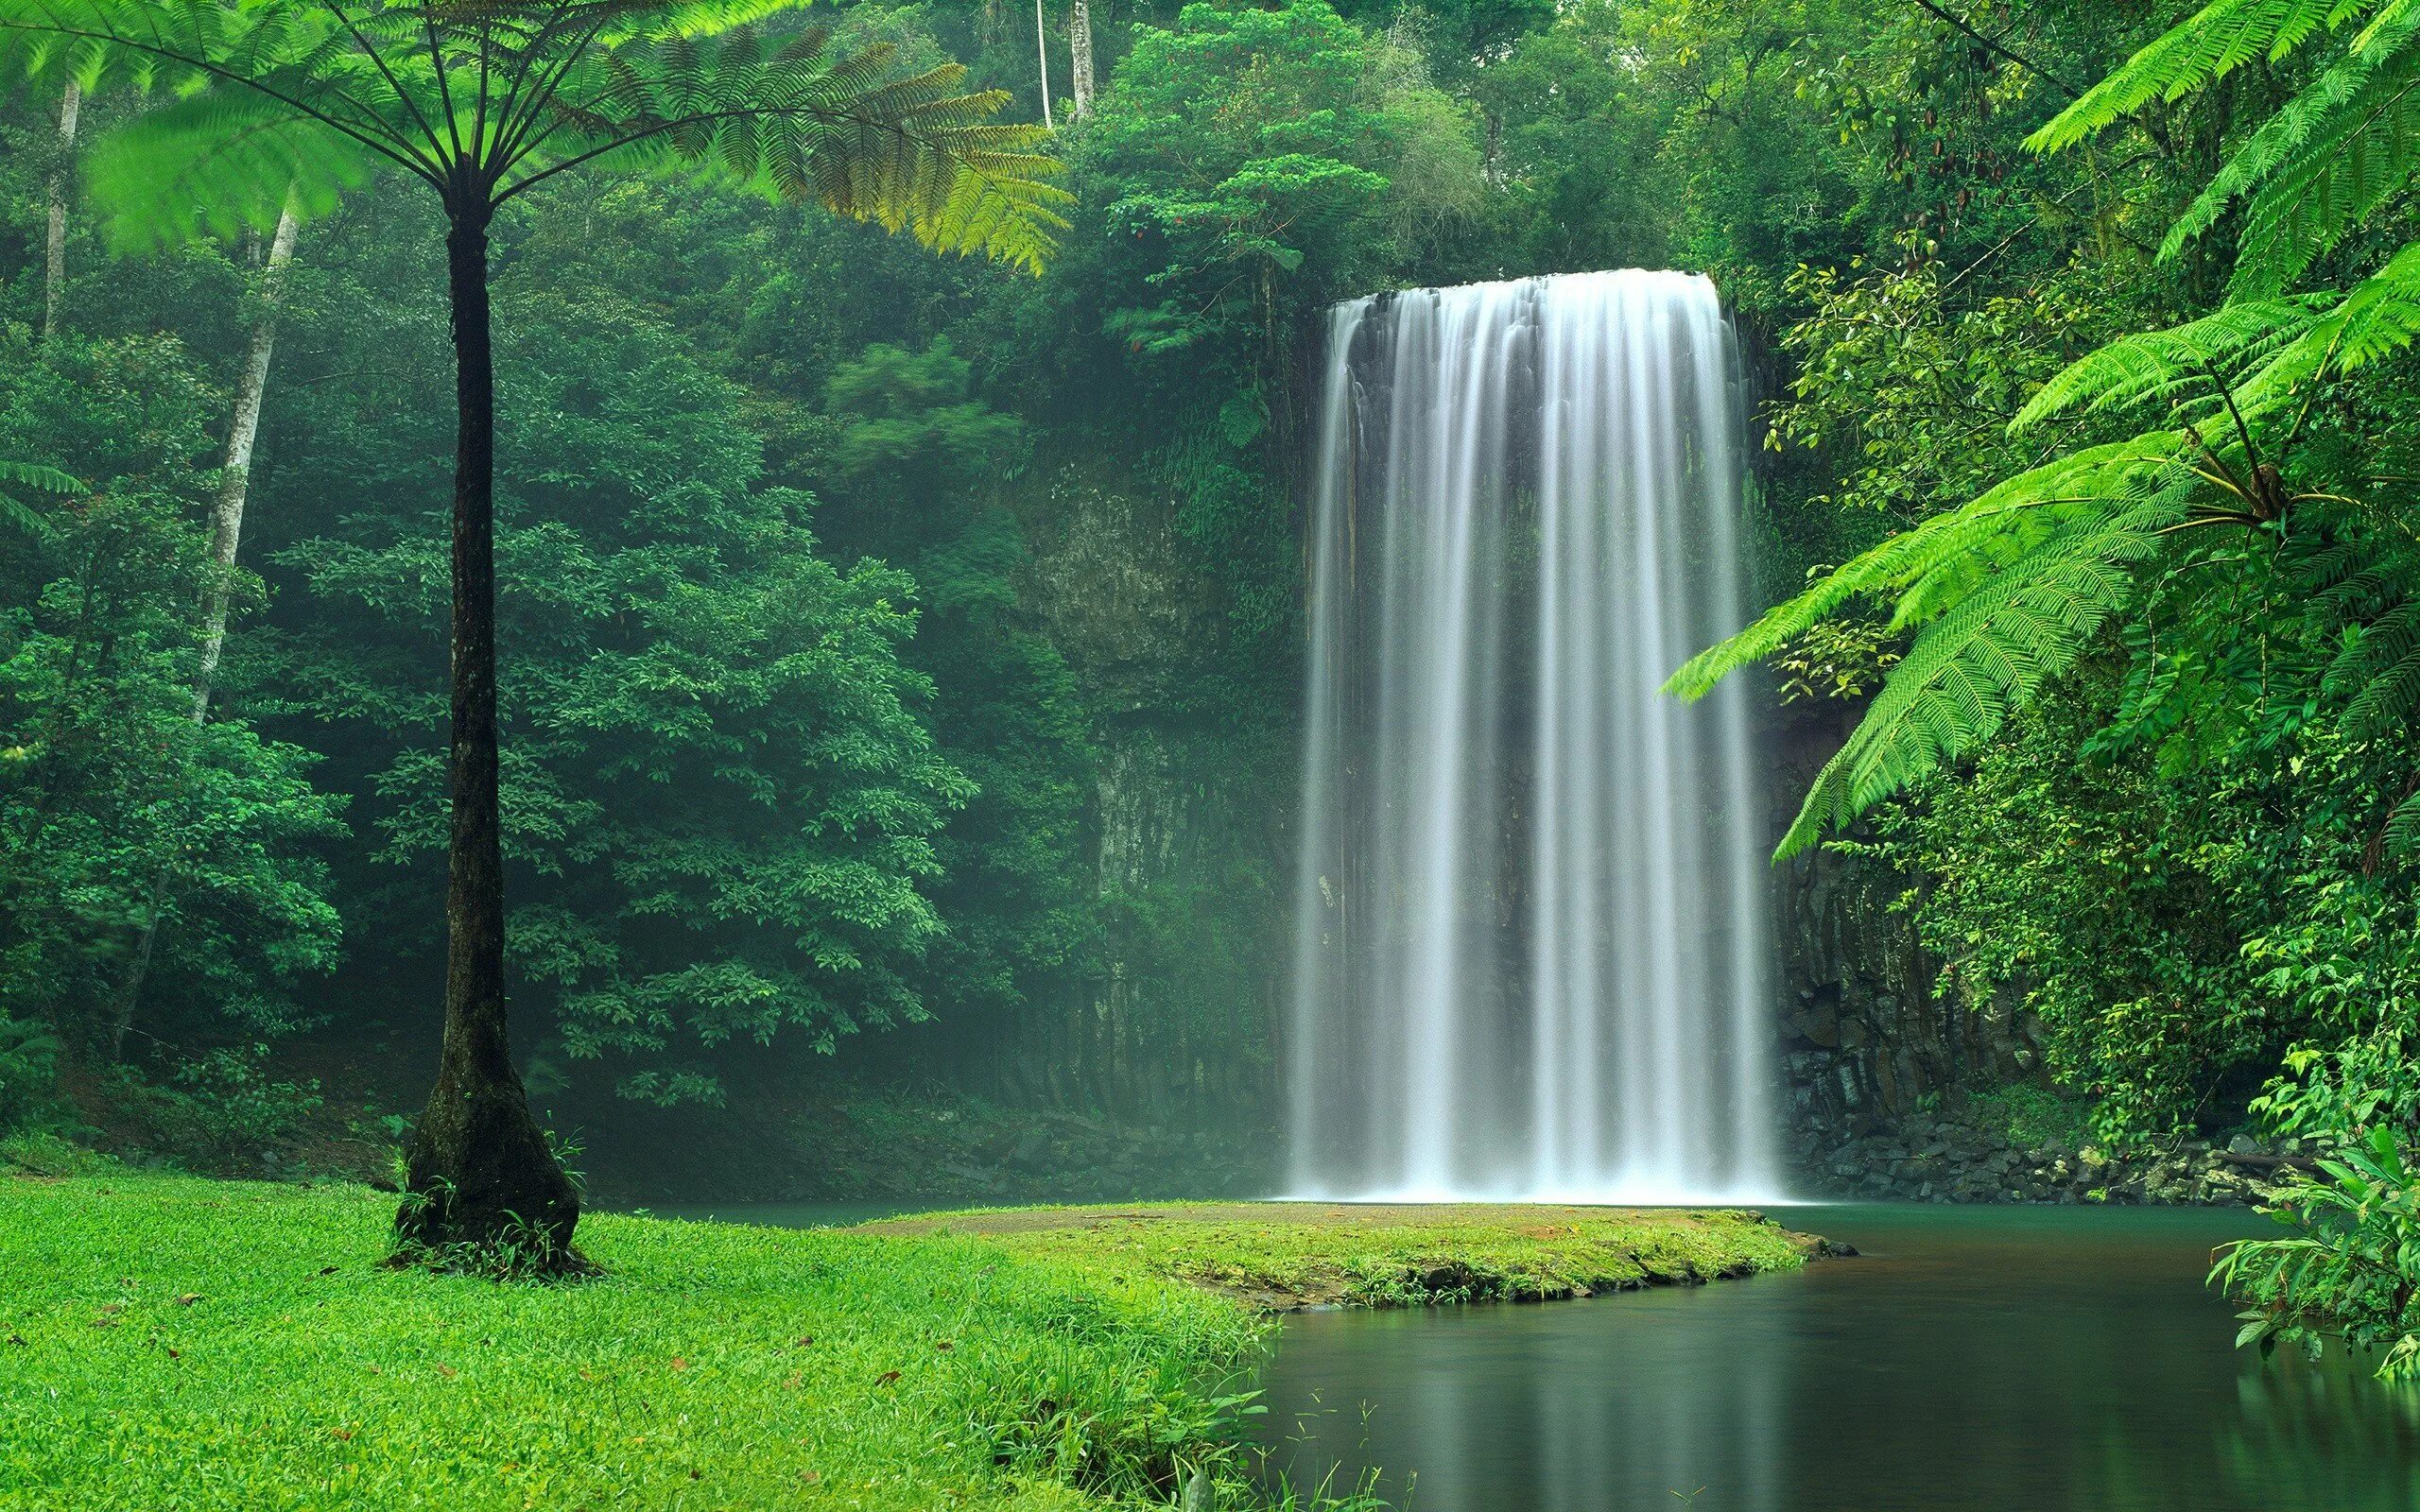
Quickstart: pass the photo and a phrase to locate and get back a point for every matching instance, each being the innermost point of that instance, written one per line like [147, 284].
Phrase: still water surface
[1971, 1360]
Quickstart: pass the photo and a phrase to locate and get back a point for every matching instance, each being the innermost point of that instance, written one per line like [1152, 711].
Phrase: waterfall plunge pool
[1972, 1359]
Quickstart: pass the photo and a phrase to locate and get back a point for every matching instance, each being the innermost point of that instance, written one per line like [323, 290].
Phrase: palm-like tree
[281, 102]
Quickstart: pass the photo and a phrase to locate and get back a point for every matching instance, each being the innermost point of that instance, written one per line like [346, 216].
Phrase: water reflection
[2019, 1360]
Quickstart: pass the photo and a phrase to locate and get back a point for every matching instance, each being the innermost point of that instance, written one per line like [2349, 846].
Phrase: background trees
[282, 103]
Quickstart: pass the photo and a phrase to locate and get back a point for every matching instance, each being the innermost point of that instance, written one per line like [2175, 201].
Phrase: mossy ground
[1280, 1255]
[171, 1342]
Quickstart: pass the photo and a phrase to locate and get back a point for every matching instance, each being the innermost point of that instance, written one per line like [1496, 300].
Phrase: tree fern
[2340, 142]
[280, 103]
[1914, 573]
[303, 97]
[2008, 591]
[1990, 656]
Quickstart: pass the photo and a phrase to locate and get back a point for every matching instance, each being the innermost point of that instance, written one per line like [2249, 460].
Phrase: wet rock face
[1171, 1019]
[1864, 1040]
[1928, 1159]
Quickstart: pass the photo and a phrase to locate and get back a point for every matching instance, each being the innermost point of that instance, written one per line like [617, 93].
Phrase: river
[1972, 1359]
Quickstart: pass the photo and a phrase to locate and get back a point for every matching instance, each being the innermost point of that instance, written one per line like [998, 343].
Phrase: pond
[1971, 1359]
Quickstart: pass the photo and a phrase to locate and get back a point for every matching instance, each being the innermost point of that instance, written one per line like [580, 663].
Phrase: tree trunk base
[482, 1191]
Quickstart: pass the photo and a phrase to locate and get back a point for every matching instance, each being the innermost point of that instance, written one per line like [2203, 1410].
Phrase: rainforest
[765, 753]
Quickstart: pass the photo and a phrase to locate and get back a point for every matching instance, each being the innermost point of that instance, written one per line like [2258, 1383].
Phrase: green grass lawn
[170, 1342]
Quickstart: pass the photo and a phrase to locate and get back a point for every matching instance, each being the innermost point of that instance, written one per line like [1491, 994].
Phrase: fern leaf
[1987, 658]
[1921, 572]
[2346, 99]
[2377, 317]
[2159, 365]
[2220, 38]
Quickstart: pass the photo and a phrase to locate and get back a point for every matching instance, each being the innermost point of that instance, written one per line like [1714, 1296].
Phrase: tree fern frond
[2158, 365]
[35, 475]
[15, 513]
[2402, 831]
[225, 160]
[2380, 316]
[2220, 38]
[2345, 100]
[2309, 206]
[911, 153]
[1985, 658]
[1920, 572]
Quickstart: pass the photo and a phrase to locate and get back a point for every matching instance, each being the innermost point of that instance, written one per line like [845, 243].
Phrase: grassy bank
[173, 1342]
[1278, 1256]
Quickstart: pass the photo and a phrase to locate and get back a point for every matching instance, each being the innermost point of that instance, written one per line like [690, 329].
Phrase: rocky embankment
[1925, 1160]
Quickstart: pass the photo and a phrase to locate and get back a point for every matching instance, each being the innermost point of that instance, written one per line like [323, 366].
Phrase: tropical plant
[15, 512]
[285, 101]
[2229, 543]
[2350, 1271]
[2006, 593]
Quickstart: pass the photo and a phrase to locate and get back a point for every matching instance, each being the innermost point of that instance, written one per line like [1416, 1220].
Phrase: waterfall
[1532, 938]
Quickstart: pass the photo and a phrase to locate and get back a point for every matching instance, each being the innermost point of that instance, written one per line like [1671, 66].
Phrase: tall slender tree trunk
[226, 534]
[71, 107]
[1042, 49]
[235, 472]
[1080, 57]
[478, 1171]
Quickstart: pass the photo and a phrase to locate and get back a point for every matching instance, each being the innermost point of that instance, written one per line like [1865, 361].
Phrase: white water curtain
[1533, 932]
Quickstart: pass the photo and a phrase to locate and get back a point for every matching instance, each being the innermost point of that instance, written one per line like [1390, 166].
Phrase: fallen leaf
[176, 1355]
[792, 1384]
[811, 1477]
[805, 1341]
[340, 1433]
[447, 1372]
[19, 1340]
[327, 1270]
[886, 1378]
[697, 1475]
[187, 1298]
[944, 1346]
[680, 1364]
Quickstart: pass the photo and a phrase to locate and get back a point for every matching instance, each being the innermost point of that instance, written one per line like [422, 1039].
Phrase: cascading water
[1531, 942]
